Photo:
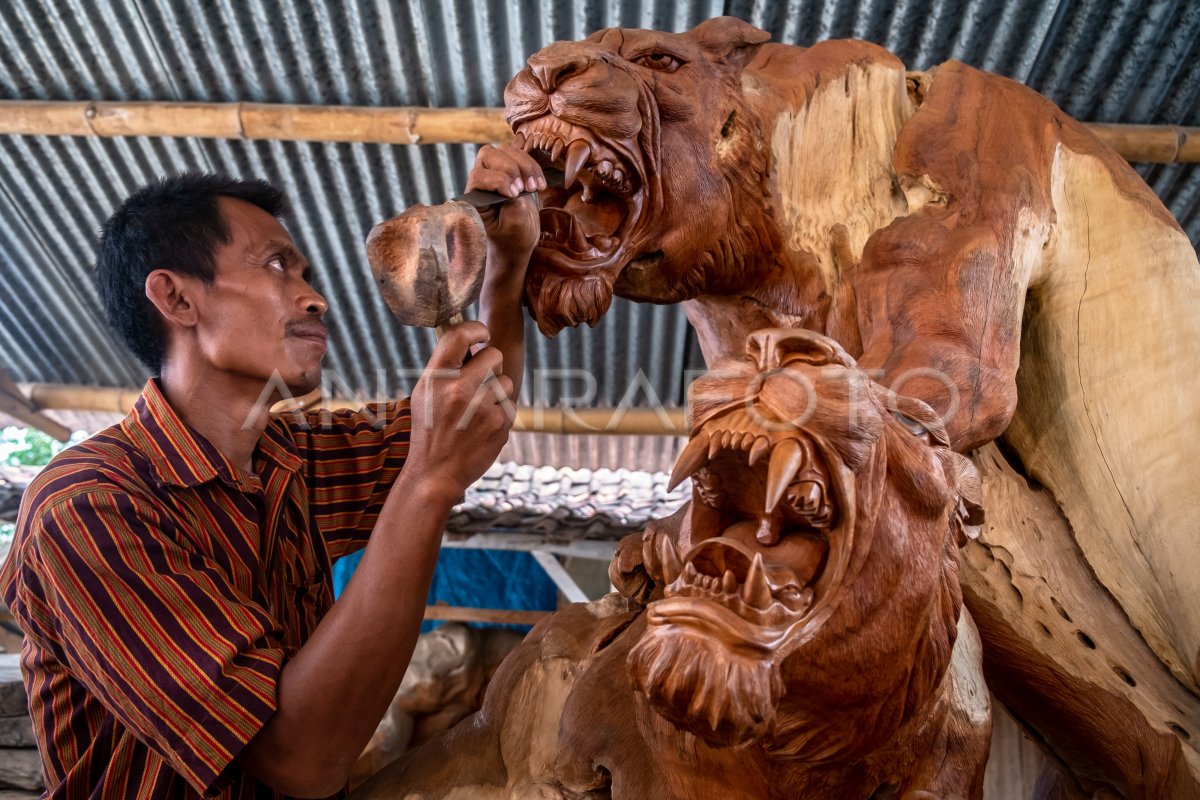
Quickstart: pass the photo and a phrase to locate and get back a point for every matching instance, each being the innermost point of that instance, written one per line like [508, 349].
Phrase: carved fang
[786, 459]
[577, 155]
[690, 460]
[761, 445]
[556, 149]
[756, 593]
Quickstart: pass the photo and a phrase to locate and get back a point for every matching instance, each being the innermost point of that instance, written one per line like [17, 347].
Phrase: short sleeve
[157, 633]
[352, 459]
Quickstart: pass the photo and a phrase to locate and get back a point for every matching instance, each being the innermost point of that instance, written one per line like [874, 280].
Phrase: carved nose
[552, 68]
[769, 348]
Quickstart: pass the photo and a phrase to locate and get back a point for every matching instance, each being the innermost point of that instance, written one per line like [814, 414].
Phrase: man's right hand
[461, 414]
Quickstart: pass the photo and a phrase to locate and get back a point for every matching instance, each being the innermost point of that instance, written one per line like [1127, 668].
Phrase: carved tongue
[577, 155]
[786, 458]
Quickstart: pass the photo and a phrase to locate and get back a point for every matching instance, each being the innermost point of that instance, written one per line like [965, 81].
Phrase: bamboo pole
[396, 125]
[1163, 144]
[1157, 144]
[612, 421]
[14, 404]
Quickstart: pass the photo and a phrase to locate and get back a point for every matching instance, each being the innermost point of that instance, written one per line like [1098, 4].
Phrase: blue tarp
[477, 579]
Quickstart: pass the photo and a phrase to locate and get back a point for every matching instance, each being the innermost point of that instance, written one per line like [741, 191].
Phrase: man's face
[260, 318]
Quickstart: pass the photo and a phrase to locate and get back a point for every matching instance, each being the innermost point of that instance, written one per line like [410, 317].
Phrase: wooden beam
[16, 405]
[496, 615]
[1163, 144]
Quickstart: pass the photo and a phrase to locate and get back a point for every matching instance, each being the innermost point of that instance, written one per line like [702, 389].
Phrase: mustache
[310, 326]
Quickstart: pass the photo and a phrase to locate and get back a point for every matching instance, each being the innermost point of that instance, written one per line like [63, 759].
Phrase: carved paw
[627, 571]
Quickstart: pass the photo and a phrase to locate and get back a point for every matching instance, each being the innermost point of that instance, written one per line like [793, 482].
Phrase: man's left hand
[512, 227]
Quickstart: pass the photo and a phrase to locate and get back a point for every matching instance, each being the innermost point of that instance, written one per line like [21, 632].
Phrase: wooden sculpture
[797, 631]
[445, 681]
[970, 245]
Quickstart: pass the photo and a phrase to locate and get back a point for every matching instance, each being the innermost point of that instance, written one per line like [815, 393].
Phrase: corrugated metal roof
[1131, 61]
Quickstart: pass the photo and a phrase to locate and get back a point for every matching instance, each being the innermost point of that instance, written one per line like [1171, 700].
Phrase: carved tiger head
[664, 167]
[815, 575]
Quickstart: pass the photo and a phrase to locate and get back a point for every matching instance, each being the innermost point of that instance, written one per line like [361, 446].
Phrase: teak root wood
[969, 244]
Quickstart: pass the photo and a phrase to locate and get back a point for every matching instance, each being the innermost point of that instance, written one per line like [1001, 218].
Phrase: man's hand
[512, 227]
[461, 412]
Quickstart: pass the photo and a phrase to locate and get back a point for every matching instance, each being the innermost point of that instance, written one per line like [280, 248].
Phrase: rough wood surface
[1070, 668]
[976, 248]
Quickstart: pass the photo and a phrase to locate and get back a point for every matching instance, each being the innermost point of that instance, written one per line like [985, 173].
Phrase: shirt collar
[181, 456]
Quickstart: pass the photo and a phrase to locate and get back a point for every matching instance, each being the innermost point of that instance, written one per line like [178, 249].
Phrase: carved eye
[914, 427]
[664, 62]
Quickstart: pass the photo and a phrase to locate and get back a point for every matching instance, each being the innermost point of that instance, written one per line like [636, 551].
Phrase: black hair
[172, 223]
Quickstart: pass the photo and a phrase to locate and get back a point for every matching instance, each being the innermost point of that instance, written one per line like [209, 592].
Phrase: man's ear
[729, 40]
[174, 297]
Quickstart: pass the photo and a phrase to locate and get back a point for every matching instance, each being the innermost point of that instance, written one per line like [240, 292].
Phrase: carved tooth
[618, 176]
[689, 573]
[714, 446]
[747, 440]
[786, 458]
[756, 592]
[604, 169]
[761, 445]
[577, 155]
[669, 559]
[728, 582]
[690, 460]
[556, 149]
[519, 141]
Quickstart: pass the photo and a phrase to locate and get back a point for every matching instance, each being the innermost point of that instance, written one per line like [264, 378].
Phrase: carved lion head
[814, 577]
[663, 165]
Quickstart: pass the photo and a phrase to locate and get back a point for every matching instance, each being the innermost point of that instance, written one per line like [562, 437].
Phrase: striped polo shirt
[161, 588]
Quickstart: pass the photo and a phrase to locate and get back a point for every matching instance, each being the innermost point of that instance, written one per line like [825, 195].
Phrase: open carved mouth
[585, 221]
[778, 513]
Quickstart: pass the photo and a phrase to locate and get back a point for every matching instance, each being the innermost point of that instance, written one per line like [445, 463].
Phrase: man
[172, 574]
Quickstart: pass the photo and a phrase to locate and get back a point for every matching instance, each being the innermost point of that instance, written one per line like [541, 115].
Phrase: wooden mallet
[428, 261]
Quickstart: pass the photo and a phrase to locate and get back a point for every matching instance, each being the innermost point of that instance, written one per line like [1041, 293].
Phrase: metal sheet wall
[1121, 61]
